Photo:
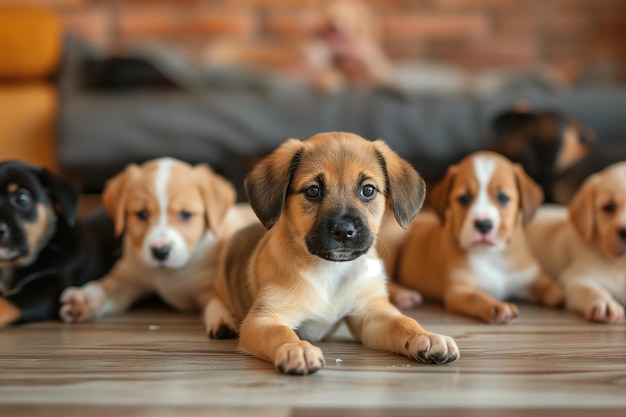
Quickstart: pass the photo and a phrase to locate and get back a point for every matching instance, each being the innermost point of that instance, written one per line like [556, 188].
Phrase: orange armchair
[30, 53]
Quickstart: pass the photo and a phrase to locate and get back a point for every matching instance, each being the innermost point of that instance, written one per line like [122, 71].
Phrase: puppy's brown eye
[22, 199]
[142, 214]
[609, 208]
[313, 192]
[368, 191]
[464, 199]
[184, 215]
[502, 198]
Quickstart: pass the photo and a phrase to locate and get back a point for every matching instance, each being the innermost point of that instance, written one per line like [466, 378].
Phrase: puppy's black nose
[622, 233]
[161, 253]
[483, 226]
[343, 229]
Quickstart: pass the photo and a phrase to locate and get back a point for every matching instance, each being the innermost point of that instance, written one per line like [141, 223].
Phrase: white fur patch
[336, 285]
[482, 207]
[494, 277]
[162, 234]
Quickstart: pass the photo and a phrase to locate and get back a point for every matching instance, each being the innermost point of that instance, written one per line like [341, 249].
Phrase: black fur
[535, 141]
[71, 254]
[342, 236]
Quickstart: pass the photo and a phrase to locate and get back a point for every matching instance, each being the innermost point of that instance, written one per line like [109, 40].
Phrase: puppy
[322, 201]
[171, 215]
[42, 248]
[472, 253]
[584, 245]
[345, 48]
[545, 143]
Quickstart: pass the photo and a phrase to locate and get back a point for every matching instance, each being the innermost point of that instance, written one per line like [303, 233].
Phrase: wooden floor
[155, 362]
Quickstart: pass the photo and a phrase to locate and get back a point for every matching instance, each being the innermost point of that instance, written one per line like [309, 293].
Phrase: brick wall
[567, 34]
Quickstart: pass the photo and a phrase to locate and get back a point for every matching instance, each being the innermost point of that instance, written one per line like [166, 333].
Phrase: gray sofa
[231, 126]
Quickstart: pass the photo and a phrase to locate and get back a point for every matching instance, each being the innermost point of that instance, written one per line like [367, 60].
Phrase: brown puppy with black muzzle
[472, 254]
[322, 201]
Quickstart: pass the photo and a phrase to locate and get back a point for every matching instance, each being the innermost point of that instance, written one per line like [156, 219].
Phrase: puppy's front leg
[109, 295]
[266, 336]
[379, 325]
[593, 301]
[547, 291]
[466, 299]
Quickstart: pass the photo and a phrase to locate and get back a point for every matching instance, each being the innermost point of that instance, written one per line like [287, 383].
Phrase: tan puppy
[322, 200]
[171, 214]
[472, 254]
[584, 245]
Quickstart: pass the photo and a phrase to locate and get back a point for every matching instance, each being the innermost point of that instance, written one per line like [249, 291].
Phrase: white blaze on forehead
[162, 233]
[160, 184]
[482, 206]
[484, 168]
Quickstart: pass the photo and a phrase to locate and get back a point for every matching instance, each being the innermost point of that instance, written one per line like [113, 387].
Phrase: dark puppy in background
[42, 247]
[546, 144]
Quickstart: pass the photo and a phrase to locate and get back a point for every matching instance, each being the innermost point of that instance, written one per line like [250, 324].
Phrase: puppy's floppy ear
[115, 196]
[530, 194]
[266, 186]
[440, 193]
[217, 193]
[405, 187]
[64, 195]
[581, 211]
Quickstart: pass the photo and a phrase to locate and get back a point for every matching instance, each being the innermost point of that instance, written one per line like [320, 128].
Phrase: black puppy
[545, 142]
[42, 248]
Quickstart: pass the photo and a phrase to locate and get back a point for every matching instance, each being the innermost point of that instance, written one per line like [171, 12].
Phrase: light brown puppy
[322, 200]
[171, 214]
[584, 245]
[472, 252]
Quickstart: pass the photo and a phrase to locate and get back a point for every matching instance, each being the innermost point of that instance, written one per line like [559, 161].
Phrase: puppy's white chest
[494, 276]
[335, 294]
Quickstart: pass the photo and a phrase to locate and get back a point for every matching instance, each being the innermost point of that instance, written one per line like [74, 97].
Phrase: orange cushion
[28, 123]
[30, 42]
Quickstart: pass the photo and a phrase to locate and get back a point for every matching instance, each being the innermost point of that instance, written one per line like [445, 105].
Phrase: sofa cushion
[30, 41]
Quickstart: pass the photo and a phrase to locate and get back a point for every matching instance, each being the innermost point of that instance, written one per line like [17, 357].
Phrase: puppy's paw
[501, 313]
[219, 322]
[299, 358]
[605, 311]
[223, 328]
[77, 305]
[432, 348]
[407, 299]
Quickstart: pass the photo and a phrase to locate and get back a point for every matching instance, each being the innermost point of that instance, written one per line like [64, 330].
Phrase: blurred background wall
[572, 36]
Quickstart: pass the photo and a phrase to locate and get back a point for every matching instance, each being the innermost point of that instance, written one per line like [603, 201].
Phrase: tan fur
[434, 260]
[207, 201]
[8, 313]
[582, 246]
[37, 232]
[289, 297]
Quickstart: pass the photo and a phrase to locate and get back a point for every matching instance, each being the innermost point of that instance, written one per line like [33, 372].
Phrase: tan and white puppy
[322, 201]
[584, 245]
[171, 214]
[472, 253]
